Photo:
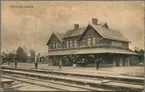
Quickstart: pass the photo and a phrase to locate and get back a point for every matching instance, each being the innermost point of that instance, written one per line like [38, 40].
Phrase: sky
[31, 27]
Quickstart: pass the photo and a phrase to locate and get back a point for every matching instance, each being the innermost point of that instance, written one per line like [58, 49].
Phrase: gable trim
[105, 25]
[51, 38]
[86, 30]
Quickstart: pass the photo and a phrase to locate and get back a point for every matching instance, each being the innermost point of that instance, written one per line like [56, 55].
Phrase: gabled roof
[2, 55]
[110, 33]
[74, 32]
[101, 24]
[44, 57]
[101, 28]
[104, 25]
[79, 31]
[58, 35]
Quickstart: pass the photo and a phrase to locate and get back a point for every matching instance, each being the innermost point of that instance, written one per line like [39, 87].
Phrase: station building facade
[95, 40]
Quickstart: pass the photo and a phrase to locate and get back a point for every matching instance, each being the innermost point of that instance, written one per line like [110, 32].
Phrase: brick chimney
[94, 21]
[76, 26]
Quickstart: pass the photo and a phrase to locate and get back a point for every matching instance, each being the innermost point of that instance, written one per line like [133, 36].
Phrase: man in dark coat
[83, 62]
[37, 59]
[15, 64]
[96, 63]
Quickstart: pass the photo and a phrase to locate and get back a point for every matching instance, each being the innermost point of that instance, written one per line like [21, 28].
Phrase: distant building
[2, 58]
[96, 40]
[44, 59]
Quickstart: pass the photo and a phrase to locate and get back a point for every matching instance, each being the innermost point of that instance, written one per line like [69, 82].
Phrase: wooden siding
[88, 33]
[70, 39]
[54, 39]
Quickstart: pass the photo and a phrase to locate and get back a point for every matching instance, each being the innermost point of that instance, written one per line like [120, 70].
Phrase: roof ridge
[74, 32]
[118, 35]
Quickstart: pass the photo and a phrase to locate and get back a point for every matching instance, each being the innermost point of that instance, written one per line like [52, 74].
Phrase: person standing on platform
[37, 59]
[15, 63]
[36, 62]
[83, 62]
[60, 64]
[99, 60]
[74, 63]
[96, 63]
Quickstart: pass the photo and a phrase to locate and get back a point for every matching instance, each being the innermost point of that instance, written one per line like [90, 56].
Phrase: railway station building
[95, 40]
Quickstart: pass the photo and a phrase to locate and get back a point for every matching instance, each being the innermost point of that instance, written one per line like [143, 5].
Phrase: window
[75, 43]
[56, 45]
[71, 44]
[116, 43]
[50, 46]
[53, 45]
[67, 44]
[94, 41]
[89, 41]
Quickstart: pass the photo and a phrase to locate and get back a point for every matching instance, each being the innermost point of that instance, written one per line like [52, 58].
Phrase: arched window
[94, 41]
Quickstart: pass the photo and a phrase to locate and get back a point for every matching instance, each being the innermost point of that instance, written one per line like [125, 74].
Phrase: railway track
[127, 79]
[84, 83]
[52, 85]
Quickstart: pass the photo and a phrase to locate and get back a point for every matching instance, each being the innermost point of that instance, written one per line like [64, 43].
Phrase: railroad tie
[105, 81]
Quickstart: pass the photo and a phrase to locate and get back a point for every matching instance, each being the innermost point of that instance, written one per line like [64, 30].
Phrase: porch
[110, 57]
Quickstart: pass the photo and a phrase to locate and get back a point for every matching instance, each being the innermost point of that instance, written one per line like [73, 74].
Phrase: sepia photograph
[72, 46]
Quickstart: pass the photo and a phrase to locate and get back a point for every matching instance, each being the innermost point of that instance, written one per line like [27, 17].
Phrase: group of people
[37, 59]
[82, 63]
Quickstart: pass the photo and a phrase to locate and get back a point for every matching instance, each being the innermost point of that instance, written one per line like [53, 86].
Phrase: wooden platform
[114, 85]
[110, 77]
[6, 82]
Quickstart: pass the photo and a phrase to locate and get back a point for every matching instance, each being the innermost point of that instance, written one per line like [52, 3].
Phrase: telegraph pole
[0, 53]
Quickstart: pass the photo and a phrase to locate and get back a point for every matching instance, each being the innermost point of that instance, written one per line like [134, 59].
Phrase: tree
[10, 57]
[4, 53]
[136, 49]
[32, 53]
[140, 53]
[21, 55]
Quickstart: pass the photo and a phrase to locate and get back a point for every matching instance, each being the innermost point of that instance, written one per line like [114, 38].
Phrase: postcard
[72, 46]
